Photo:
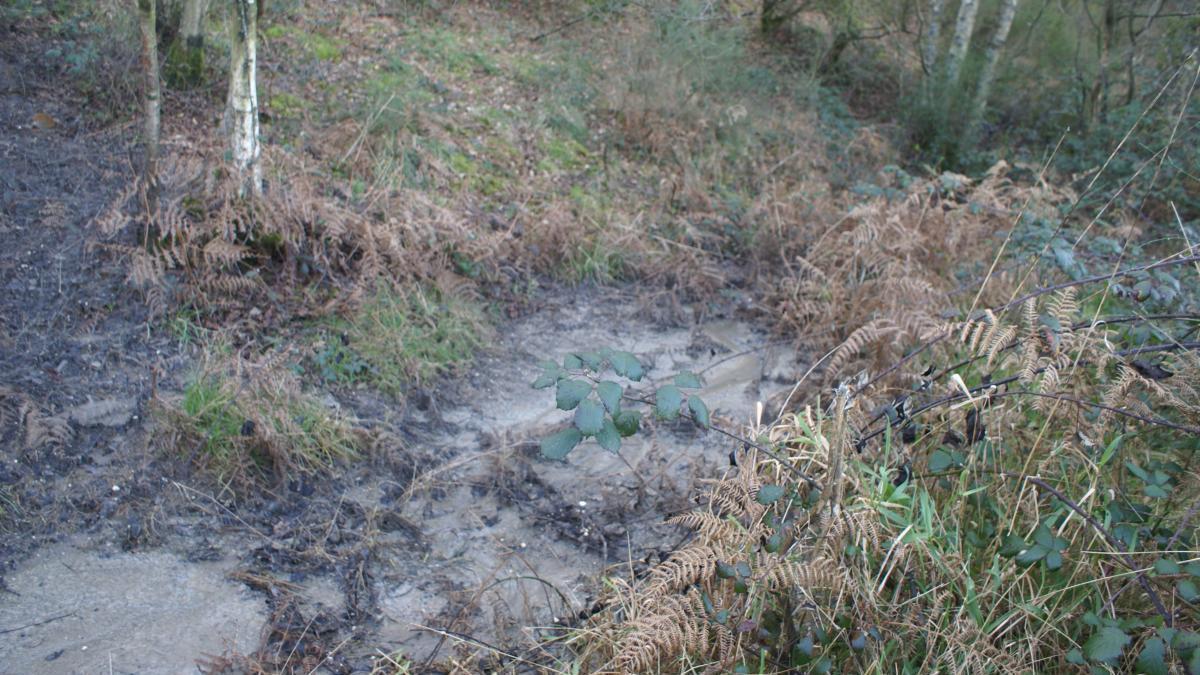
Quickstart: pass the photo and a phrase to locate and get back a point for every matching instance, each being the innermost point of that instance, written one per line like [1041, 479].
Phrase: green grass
[258, 427]
[594, 260]
[402, 337]
[314, 45]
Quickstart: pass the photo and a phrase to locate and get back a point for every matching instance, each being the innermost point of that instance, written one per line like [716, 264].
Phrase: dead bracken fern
[882, 268]
[207, 247]
[33, 428]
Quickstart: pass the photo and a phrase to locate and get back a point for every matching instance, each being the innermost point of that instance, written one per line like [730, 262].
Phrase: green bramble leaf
[1166, 566]
[667, 400]
[699, 411]
[572, 362]
[609, 438]
[1155, 492]
[556, 446]
[570, 393]
[1031, 555]
[688, 380]
[627, 422]
[592, 360]
[1187, 590]
[589, 417]
[1153, 659]
[626, 365]
[610, 395]
[940, 460]
[1106, 644]
[550, 374]
[1012, 545]
[769, 494]
[1053, 560]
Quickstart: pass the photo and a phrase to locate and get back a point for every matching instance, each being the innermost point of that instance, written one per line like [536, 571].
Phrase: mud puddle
[515, 542]
[87, 611]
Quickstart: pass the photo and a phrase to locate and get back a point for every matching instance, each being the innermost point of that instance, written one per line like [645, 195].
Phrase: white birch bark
[146, 12]
[964, 25]
[991, 58]
[242, 109]
[191, 25]
[933, 29]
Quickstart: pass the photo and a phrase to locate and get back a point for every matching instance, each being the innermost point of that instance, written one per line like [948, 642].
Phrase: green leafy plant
[580, 386]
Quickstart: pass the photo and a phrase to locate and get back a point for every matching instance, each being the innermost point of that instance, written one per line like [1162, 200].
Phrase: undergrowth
[248, 421]
[399, 337]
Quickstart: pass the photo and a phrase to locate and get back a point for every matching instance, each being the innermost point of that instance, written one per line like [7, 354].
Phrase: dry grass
[245, 421]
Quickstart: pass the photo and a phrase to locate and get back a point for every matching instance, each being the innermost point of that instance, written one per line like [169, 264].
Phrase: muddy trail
[453, 533]
[462, 535]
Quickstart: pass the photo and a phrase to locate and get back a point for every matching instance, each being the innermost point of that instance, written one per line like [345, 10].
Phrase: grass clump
[402, 336]
[245, 422]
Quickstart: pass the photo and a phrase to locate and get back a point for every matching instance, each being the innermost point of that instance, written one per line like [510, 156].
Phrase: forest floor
[118, 558]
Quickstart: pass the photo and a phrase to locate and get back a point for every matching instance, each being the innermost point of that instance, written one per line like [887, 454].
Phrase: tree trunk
[933, 29]
[991, 57]
[185, 60]
[242, 109]
[964, 25]
[152, 93]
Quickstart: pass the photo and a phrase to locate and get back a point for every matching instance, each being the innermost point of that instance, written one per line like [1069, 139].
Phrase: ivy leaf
[1188, 590]
[667, 400]
[589, 417]
[570, 393]
[769, 494]
[699, 411]
[626, 365]
[556, 446]
[688, 380]
[572, 362]
[1166, 566]
[609, 438]
[1106, 644]
[610, 395]
[627, 422]
[1153, 659]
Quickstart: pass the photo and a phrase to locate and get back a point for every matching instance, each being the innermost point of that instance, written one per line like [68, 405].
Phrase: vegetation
[398, 338]
[977, 220]
[249, 421]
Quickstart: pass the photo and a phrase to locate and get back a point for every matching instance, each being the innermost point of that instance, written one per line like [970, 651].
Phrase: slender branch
[744, 441]
[1032, 294]
[1093, 279]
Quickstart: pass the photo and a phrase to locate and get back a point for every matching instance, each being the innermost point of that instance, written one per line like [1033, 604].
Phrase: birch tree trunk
[241, 112]
[964, 25]
[933, 29]
[185, 59]
[991, 57]
[152, 122]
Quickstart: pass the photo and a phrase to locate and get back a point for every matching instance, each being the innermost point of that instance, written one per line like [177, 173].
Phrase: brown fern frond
[685, 567]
